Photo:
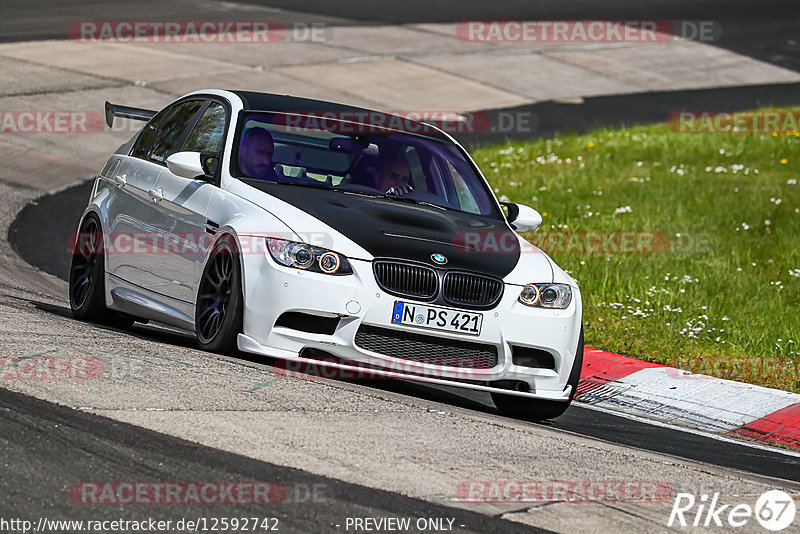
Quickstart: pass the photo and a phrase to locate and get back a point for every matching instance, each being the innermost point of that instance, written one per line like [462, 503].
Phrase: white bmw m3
[327, 235]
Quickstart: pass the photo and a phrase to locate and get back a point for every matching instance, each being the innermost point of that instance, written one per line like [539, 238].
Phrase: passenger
[394, 177]
[255, 154]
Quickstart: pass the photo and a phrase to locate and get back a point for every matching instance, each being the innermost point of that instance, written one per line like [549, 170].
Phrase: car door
[178, 214]
[130, 178]
[133, 254]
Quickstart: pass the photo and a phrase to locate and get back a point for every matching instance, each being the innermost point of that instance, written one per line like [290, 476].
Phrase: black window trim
[192, 123]
[227, 107]
[149, 124]
[188, 128]
[160, 117]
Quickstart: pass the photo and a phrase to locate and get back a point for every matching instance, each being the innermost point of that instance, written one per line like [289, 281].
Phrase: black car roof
[255, 101]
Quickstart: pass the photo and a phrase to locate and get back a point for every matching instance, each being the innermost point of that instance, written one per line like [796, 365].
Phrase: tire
[87, 295]
[219, 307]
[539, 410]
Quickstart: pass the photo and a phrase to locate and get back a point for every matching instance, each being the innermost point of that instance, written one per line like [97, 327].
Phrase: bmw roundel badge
[438, 258]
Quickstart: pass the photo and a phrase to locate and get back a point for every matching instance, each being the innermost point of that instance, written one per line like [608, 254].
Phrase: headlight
[307, 258]
[555, 296]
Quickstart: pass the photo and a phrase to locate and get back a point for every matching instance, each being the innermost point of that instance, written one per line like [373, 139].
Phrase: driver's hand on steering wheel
[399, 190]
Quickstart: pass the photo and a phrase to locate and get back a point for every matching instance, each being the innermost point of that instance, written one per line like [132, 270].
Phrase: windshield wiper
[326, 188]
[413, 201]
[300, 184]
[361, 193]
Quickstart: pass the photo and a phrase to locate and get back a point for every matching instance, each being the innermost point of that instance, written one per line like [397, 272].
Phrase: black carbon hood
[389, 228]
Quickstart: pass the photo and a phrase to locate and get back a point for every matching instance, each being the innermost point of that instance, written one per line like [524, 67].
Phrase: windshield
[345, 156]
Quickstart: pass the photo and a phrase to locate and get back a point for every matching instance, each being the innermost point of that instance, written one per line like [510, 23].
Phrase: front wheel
[536, 409]
[219, 309]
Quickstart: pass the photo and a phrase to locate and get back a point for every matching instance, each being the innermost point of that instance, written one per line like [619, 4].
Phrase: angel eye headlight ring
[552, 296]
[530, 295]
[329, 262]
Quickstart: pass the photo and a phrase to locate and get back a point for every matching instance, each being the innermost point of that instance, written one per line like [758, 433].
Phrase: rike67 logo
[774, 510]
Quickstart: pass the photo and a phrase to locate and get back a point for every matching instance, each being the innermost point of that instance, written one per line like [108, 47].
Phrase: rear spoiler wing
[114, 110]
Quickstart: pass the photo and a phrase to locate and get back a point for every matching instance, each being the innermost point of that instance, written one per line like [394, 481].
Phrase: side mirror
[186, 165]
[522, 218]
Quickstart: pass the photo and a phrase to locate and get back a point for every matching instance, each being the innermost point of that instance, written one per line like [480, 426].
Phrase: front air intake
[422, 348]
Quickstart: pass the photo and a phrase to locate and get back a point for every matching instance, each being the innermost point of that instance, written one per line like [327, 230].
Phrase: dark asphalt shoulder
[47, 448]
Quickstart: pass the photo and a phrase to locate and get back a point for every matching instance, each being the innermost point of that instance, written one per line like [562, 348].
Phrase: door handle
[156, 195]
[121, 180]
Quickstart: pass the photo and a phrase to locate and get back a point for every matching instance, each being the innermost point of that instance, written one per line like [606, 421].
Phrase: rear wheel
[536, 409]
[219, 309]
[87, 298]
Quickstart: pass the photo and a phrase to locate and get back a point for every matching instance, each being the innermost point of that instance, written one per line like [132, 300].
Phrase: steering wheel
[399, 190]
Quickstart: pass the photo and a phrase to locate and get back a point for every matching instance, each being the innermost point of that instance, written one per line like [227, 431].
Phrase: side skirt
[140, 302]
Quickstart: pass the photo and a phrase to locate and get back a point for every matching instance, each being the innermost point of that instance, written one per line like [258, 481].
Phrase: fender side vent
[211, 227]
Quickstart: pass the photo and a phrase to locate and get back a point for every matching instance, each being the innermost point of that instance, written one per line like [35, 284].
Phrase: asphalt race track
[166, 411]
[89, 447]
[767, 30]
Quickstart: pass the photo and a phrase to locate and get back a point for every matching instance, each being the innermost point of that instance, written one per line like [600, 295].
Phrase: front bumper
[356, 300]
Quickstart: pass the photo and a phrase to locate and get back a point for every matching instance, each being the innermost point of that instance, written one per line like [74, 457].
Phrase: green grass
[722, 294]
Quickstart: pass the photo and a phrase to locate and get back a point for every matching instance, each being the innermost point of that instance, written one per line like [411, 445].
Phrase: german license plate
[437, 318]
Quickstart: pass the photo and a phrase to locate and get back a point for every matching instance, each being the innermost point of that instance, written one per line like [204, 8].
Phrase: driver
[394, 177]
[255, 154]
